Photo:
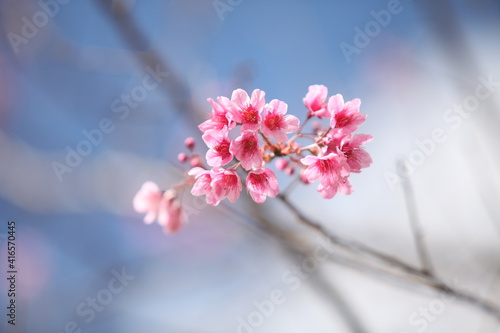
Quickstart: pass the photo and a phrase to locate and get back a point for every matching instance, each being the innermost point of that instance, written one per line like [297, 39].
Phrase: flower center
[219, 117]
[250, 115]
[249, 145]
[326, 166]
[229, 182]
[259, 181]
[222, 147]
[316, 105]
[342, 120]
[273, 121]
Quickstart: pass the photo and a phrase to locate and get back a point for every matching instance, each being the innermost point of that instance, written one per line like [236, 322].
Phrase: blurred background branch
[65, 79]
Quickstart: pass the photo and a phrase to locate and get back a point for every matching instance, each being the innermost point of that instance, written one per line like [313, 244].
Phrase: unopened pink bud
[189, 143]
[196, 161]
[290, 170]
[182, 158]
[281, 164]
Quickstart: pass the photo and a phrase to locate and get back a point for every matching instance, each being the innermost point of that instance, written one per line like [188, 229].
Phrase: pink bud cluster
[243, 134]
[193, 158]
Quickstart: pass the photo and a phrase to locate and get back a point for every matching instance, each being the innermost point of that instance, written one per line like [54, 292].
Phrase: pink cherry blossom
[315, 101]
[276, 124]
[159, 205]
[343, 186]
[218, 142]
[247, 111]
[351, 146]
[202, 185]
[147, 200]
[247, 150]
[262, 183]
[170, 215]
[225, 184]
[328, 169]
[218, 118]
[330, 156]
[345, 116]
[357, 157]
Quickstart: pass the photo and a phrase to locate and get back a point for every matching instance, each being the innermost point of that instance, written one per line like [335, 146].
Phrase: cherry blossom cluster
[244, 134]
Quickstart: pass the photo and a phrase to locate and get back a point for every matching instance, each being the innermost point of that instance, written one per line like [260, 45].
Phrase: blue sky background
[73, 233]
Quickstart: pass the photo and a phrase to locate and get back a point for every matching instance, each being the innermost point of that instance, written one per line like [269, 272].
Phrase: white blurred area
[207, 276]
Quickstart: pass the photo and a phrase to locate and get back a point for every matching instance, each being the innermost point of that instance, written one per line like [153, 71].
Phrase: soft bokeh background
[71, 234]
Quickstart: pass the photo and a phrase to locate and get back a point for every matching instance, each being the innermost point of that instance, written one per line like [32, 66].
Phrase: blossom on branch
[246, 149]
[345, 116]
[261, 135]
[202, 185]
[218, 118]
[225, 184]
[315, 101]
[218, 142]
[245, 110]
[276, 123]
[262, 183]
[331, 170]
[161, 206]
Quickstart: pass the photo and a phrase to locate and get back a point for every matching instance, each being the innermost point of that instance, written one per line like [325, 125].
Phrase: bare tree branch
[324, 287]
[177, 91]
[418, 234]
[414, 274]
[180, 95]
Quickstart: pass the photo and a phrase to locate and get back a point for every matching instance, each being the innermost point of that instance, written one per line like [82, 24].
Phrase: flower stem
[303, 125]
[234, 166]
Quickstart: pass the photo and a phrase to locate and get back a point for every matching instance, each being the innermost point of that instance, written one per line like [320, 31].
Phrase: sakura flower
[345, 116]
[218, 142]
[163, 206]
[262, 183]
[170, 215]
[328, 169]
[276, 124]
[315, 101]
[343, 186]
[147, 200]
[218, 118]
[202, 185]
[350, 146]
[246, 149]
[357, 157]
[246, 110]
[225, 184]
[329, 158]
